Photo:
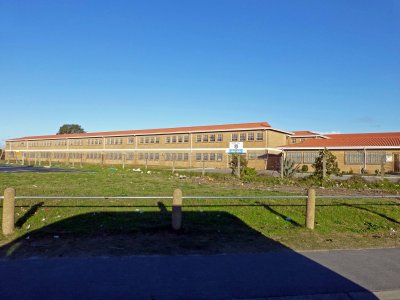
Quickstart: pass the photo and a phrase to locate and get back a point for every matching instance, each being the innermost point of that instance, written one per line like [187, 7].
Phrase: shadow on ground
[33, 169]
[116, 234]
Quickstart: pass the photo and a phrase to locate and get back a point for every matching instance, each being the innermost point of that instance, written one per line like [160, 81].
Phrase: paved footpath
[343, 274]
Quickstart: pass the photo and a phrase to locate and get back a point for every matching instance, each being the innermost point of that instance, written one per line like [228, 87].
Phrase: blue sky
[113, 65]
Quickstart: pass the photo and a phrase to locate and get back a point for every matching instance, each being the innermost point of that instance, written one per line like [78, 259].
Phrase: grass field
[126, 227]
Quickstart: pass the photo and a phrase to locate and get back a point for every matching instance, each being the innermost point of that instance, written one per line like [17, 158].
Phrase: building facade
[190, 147]
[355, 153]
[206, 146]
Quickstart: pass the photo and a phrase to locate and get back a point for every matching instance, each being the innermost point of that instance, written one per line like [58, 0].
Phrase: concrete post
[8, 211]
[282, 160]
[123, 160]
[177, 210]
[310, 210]
[382, 170]
[203, 171]
[323, 166]
[173, 166]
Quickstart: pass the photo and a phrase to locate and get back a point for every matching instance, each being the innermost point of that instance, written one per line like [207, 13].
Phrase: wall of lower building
[391, 163]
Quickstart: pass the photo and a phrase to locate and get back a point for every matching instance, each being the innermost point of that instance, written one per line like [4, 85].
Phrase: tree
[233, 164]
[70, 128]
[331, 164]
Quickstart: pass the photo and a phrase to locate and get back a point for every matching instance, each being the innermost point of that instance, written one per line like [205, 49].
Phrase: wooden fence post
[8, 211]
[177, 210]
[310, 209]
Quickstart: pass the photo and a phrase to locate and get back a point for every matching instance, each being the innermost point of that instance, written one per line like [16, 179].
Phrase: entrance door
[396, 168]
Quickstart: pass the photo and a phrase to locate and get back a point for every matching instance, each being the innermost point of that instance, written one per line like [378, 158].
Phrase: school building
[357, 152]
[198, 146]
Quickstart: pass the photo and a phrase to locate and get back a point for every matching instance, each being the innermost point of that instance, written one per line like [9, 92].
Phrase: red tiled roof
[305, 133]
[378, 139]
[259, 125]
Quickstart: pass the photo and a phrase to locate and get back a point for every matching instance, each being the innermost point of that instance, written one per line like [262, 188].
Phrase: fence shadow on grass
[282, 216]
[356, 206]
[216, 232]
[31, 211]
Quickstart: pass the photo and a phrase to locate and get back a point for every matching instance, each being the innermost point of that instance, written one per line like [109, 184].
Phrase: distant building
[355, 152]
[181, 147]
[195, 146]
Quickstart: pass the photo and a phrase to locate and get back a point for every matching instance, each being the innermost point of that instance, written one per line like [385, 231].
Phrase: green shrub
[304, 168]
[249, 174]
[331, 164]
[289, 168]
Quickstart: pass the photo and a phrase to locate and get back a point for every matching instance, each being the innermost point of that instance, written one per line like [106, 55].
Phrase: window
[212, 156]
[309, 157]
[168, 139]
[151, 156]
[212, 137]
[234, 137]
[354, 157]
[250, 136]
[220, 137]
[180, 156]
[156, 156]
[198, 156]
[146, 139]
[205, 156]
[141, 156]
[259, 136]
[130, 140]
[152, 140]
[167, 156]
[186, 139]
[180, 139]
[198, 138]
[173, 139]
[219, 156]
[293, 141]
[141, 141]
[157, 140]
[129, 156]
[376, 157]
[205, 138]
[295, 156]
[185, 156]
[242, 137]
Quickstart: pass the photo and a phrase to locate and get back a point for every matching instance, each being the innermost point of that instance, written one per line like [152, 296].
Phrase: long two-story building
[198, 146]
[182, 146]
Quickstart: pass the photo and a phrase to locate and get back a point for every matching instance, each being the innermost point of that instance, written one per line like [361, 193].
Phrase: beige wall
[270, 139]
[356, 168]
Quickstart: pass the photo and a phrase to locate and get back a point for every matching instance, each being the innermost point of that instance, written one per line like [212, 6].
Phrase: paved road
[325, 274]
[24, 169]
